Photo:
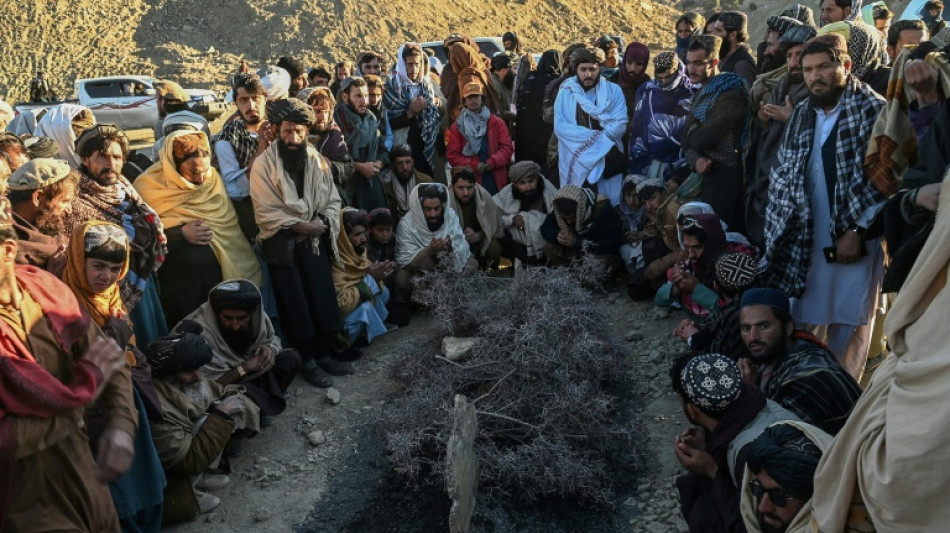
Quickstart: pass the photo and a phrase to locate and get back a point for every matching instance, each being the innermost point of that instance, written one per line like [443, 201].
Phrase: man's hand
[368, 170]
[849, 247]
[262, 361]
[749, 371]
[107, 355]
[197, 233]
[921, 76]
[317, 227]
[472, 236]
[694, 459]
[686, 329]
[703, 165]
[779, 113]
[381, 270]
[567, 238]
[266, 134]
[437, 244]
[57, 260]
[518, 222]
[687, 282]
[416, 106]
[116, 451]
[928, 196]
[231, 406]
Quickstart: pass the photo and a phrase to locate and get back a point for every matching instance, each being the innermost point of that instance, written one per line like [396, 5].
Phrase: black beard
[467, 202]
[319, 130]
[725, 48]
[295, 160]
[770, 63]
[509, 80]
[403, 178]
[355, 110]
[100, 179]
[829, 99]
[436, 224]
[796, 78]
[250, 121]
[596, 81]
[376, 110]
[766, 528]
[240, 341]
[528, 198]
[360, 250]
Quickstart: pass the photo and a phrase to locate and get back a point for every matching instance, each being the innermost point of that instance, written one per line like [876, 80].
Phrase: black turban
[789, 457]
[500, 61]
[292, 65]
[40, 147]
[238, 294]
[290, 109]
[174, 354]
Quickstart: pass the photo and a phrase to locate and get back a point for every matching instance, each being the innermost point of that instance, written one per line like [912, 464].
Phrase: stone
[317, 438]
[456, 348]
[461, 466]
[630, 502]
[333, 396]
[634, 335]
[261, 514]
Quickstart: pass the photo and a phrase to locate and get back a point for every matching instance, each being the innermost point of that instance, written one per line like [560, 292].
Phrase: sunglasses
[778, 497]
[688, 222]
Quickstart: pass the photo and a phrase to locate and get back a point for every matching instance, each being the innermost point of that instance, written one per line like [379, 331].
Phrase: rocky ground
[320, 468]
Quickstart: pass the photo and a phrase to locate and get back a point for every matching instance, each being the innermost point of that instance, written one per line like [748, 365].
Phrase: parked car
[488, 46]
[129, 101]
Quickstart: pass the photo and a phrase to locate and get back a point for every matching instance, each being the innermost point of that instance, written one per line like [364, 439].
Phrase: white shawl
[530, 236]
[57, 124]
[581, 151]
[412, 234]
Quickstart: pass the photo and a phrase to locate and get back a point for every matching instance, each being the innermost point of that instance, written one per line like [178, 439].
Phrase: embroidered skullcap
[38, 146]
[100, 234]
[239, 294]
[38, 174]
[276, 82]
[941, 38]
[832, 43]
[174, 354]
[292, 65]
[801, 13]
[773, 298]
[665, 61]
[736, 271]
[290, 109]
[380, 216]
[733, 20]
[524, 170]
[782, 24]
[712, 382]
[788, 456]
[180, 120]
[710, 43]
[798, 35]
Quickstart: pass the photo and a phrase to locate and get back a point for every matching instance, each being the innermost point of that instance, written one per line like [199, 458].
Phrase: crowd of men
[156, 306]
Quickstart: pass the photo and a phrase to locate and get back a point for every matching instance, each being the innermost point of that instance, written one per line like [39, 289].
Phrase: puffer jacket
[658, 123]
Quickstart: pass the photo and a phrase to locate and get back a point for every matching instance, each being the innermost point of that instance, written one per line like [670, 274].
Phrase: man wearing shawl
[478, 215]
[63, 124]
[821, 205]
[689, 25]
[246, 349]
[415, 106]
[662, 106]
[833, 11]
[532, 133]
[632, 74]
[365, 144]
[581, 223]
[524, 205]
[715, 141]
[590, 120]
[726, 415]
[298, 210]
[886, 467]
[466, 65]
[41, 193]
[105, 194]
[54, 361]
[360, 292]
[399, 180]
[480, 141]
[779, 478]
[865, 48]
[205, 243]
[98, 259]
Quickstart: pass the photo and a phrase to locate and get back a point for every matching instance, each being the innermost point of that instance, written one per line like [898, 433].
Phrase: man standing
[375, 87]
[790, 366]
[365, 145]
[169, 98]
[821, 205]
[904, 33]
[400, 179]
[41, 193]
[839, 10]
[371, 63]
[503, 80]
[298, 74]
[590, 120]
[732, 28]
[702, 59]
[55, 361]
[478, 215]
[480, 141]
[40, 90]
[298, 210]
[524, 205]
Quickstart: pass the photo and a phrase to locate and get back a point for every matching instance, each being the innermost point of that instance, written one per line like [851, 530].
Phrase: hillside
[200, 41]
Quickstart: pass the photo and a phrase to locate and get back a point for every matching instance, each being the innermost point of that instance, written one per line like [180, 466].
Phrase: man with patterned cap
[726, 415]
[524, 205]
[779, 479]
[297, 207]
[246, 349]
[582, 223]
[821, 205]
[791, 366]
[41, 193]
[772, 58]
[735, 56]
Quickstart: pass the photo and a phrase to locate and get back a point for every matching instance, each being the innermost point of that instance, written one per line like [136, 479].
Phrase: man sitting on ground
[792, 367]
[581, 223]
[524, 205]
[478, 215]
[399, 180]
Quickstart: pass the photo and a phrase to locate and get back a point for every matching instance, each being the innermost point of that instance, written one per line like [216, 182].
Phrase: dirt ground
[282, 482]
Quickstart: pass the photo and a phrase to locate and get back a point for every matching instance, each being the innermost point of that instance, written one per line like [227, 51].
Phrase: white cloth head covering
[6, 114]
[276, 82]
[402, 78]
[702, 208]
[413, 234]
[188, 118]
[57, 124]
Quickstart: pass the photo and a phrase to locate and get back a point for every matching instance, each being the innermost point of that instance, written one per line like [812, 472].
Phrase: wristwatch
[859, 230]
[240, 370]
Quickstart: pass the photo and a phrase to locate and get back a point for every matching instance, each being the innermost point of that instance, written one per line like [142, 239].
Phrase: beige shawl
[276, 204]
[530, 236]
[487, 214]
[892, 453]
[348, 273]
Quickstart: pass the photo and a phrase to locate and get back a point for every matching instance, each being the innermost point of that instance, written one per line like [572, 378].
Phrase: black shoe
[317, 377]
[336, 368]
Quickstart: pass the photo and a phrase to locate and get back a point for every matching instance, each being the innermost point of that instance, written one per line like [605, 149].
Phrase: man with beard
[246, 350]
[532, 132]
[325, 135]
[726, 415]
[297, 208]
[341, 71]
[524, 205]
[772, 58]
[319, 77]
[590, 120]
[371, 64]
[702, 59]
[821, 205]
[480, 141]
[236, 147]
[375, 87]
[503, 80]
[478, 216]
[364, 143]
[773, 114]
[581, 223]
[169, 98]
[791, 366]
[734, 55]
[105, 194]
[780, 478]
[400, 179]
[429, 237]
[298, 74]
[41, 194]
[839, 10]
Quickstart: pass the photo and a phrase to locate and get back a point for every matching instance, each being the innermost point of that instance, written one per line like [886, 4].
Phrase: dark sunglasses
[778, 497]
[688, 222]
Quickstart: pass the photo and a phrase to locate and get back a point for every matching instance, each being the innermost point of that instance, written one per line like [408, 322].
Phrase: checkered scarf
[789, 229]
[396, 101]
[244, 145]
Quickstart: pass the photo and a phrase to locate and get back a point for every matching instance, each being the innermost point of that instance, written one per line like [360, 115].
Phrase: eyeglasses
[778, 497]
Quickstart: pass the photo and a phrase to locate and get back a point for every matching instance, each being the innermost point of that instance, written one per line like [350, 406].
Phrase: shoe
[317, 377]
[336, 368]
[212, 482]
[206, 502]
